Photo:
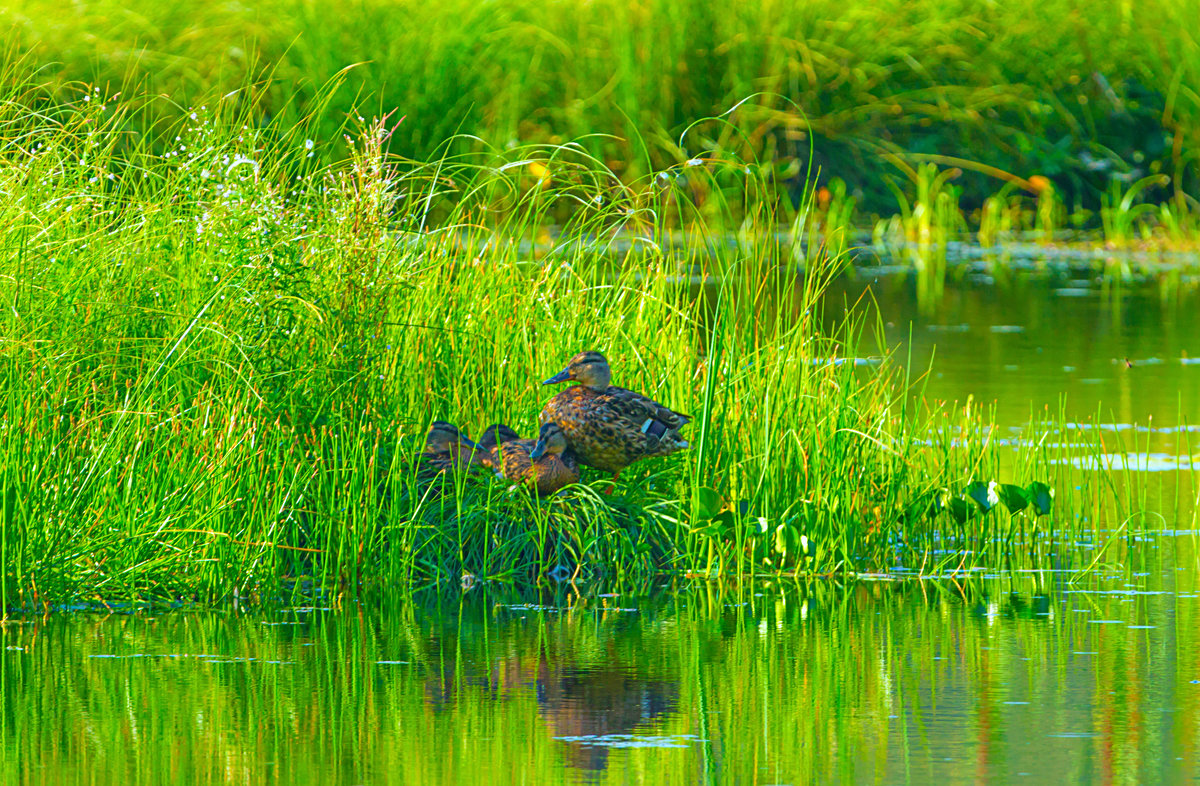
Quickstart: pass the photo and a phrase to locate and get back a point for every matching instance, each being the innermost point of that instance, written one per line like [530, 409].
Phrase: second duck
[544, 465]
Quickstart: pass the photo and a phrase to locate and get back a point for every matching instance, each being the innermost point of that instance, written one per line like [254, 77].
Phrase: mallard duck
[545, 464]
[608, 427]
[493, 437]
[446, 450]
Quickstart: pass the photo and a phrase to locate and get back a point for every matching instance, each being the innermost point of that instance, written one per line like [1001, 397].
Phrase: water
[1127, 352]
[1030, 676]
[1014, 677]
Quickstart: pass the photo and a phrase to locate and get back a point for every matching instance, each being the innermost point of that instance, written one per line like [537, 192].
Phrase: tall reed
[219, 359]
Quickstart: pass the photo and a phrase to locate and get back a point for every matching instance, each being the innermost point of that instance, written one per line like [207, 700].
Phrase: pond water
[1020, 677]
[1104, 352]
[1126, 351]
[1040, 676]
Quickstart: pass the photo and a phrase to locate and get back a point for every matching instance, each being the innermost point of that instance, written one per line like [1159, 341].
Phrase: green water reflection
[1126, 351]
[994, 679]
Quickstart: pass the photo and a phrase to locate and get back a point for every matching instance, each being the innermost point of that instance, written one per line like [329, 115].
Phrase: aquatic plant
[220, 358]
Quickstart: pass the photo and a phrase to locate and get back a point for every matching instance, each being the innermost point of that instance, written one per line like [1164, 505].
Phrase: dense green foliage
[219, 360]
[1085, 95]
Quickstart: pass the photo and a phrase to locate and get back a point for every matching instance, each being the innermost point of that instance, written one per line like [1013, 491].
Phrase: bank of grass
[217, 361]
[1088, 98]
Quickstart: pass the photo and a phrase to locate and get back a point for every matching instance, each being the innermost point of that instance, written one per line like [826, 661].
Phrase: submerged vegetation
[219, 359]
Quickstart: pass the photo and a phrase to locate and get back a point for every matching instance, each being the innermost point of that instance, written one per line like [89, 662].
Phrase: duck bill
[538, 451]
[466, 443]
[561, 376]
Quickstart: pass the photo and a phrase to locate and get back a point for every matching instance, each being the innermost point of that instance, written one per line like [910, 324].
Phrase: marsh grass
[1006, 93]
[219, 359]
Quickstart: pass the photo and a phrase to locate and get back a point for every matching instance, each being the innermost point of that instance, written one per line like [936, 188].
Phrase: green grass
[218, 359]
[1004, 92]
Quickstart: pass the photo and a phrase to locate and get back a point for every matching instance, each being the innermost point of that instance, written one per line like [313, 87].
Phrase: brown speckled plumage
[544, 465]
[489, 444]
[447, 450]
[608, 427]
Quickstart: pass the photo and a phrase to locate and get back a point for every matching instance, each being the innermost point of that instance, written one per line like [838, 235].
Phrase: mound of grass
[218, 360]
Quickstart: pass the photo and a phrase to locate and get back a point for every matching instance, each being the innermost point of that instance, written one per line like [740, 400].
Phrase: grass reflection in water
[932, 680]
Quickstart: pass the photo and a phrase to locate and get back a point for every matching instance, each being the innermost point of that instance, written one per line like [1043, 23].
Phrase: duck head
[551, 439]
[443, 437]
[589, 369]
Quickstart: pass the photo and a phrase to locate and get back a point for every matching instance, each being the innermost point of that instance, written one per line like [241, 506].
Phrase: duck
[447, 450]
[544, 465]
[608, 427]
[489, 443]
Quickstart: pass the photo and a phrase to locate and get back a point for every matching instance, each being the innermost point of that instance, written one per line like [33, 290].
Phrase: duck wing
[514, 462]
[650, 417]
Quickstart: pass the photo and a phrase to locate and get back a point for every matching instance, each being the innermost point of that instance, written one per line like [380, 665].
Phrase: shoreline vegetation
[910, 118]
[220, 352]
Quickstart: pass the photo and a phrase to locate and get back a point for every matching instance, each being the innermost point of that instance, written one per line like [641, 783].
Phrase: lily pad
[1042, 497]
[1015, 498]
[983, 494]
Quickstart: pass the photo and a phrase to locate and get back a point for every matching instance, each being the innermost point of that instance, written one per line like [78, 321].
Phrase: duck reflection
[589, 709]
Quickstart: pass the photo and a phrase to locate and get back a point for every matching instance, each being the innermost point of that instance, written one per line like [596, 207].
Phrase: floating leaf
[1015, 498]
[961, 510]
[708, 503]
[1042, 497]
[984, 494]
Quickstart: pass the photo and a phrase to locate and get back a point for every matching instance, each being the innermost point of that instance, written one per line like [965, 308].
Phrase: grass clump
[218, 360]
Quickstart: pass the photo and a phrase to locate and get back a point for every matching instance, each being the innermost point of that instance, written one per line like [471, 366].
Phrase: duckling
[446, 450]
[493, 437]
[545, 465]
[609, 427]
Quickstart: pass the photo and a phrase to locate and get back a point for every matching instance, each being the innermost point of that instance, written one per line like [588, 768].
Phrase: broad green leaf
[708, 503]
[757, 526]
[707, 530]
[1042, 497]
[926, 506]
[725, 520]
[961, 510]
[983, 494]
[1015, 498]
